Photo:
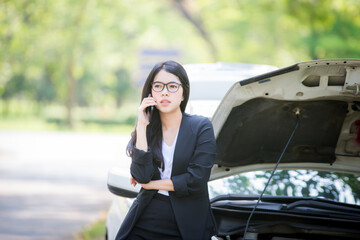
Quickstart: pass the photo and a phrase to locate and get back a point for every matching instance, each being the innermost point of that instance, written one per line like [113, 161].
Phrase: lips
[165, 102]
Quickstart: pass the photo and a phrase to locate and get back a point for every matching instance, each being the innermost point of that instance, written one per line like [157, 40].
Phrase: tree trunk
[71, 90]
[197, 23]
[119, 102]
[71, 83]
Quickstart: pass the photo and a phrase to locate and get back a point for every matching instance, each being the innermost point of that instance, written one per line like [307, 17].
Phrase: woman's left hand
[133, 181]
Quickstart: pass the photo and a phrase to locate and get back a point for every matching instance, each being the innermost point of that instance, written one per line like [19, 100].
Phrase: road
[53, 184]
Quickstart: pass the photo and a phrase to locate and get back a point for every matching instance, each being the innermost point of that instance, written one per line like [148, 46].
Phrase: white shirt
[168, 155]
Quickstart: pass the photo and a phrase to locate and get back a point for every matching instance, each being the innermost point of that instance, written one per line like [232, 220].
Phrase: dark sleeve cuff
[141, 157]
[142, 168]
[180, 185]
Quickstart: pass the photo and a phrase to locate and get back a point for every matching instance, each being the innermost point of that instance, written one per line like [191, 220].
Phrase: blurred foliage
[30, 115]
[86, 53]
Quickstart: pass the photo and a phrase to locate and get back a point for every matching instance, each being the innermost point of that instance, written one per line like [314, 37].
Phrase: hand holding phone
[146, 110]
[151, 110]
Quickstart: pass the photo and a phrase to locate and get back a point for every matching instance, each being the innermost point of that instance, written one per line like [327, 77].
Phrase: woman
[172, 156]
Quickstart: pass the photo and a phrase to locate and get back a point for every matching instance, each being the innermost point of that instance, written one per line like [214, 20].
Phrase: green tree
[71, 52]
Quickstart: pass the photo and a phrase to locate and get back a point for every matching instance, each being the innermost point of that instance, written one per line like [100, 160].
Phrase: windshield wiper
[321, 205]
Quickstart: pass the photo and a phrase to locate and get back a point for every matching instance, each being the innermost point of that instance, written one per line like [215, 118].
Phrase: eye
[157, 86]
[173, 86]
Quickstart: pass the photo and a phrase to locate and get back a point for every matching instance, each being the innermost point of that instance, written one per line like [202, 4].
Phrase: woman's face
[167, 101]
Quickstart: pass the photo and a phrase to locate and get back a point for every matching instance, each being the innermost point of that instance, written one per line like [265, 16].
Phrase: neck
[171, 120]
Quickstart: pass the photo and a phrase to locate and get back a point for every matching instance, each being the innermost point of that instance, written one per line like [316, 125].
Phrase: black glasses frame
[166, 84]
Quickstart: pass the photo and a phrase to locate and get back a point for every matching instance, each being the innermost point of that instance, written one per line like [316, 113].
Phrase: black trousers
[157, 221]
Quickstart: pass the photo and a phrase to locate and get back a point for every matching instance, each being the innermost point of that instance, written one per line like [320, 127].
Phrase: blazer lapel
[182, 142]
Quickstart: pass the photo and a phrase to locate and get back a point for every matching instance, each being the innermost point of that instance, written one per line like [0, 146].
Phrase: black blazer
[194, 156]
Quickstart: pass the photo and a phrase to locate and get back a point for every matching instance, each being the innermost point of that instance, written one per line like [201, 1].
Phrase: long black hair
[154, 129]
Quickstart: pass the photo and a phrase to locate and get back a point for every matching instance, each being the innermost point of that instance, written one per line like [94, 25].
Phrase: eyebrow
[167, 83]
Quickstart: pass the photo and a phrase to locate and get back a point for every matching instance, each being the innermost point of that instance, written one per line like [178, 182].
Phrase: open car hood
[257, 116]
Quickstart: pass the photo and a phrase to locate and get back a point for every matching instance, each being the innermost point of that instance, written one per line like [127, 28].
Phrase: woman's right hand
[143, 117]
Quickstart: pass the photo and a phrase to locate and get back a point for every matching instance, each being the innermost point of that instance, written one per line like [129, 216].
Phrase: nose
[165, 92]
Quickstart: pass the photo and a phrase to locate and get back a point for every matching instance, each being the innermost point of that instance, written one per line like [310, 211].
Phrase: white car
[305, 116]
[209, 83]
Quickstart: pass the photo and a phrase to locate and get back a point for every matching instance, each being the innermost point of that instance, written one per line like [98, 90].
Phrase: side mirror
[119, 183]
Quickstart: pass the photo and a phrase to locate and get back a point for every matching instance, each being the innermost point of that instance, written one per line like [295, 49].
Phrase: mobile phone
[151, 113]
[151, 109]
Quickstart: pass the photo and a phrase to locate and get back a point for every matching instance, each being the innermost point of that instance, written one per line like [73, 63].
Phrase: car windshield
[210, 83]
[341, 187]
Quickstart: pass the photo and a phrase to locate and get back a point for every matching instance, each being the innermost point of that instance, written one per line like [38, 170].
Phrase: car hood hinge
[352, 82]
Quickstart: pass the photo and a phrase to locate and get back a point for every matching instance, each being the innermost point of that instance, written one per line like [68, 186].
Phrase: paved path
[54, 184]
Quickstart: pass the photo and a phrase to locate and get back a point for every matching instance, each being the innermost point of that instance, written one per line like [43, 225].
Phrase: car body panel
[119, 183]
[257, 115]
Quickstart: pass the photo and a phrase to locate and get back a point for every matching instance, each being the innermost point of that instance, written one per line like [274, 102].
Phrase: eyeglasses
[170, 86]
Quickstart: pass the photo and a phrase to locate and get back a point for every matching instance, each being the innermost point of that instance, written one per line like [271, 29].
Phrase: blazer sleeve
[142, 168]
[201, 162]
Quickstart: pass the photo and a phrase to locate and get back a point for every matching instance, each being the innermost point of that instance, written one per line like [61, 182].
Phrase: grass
[39, 124]
[28, 116]
[94, 232]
